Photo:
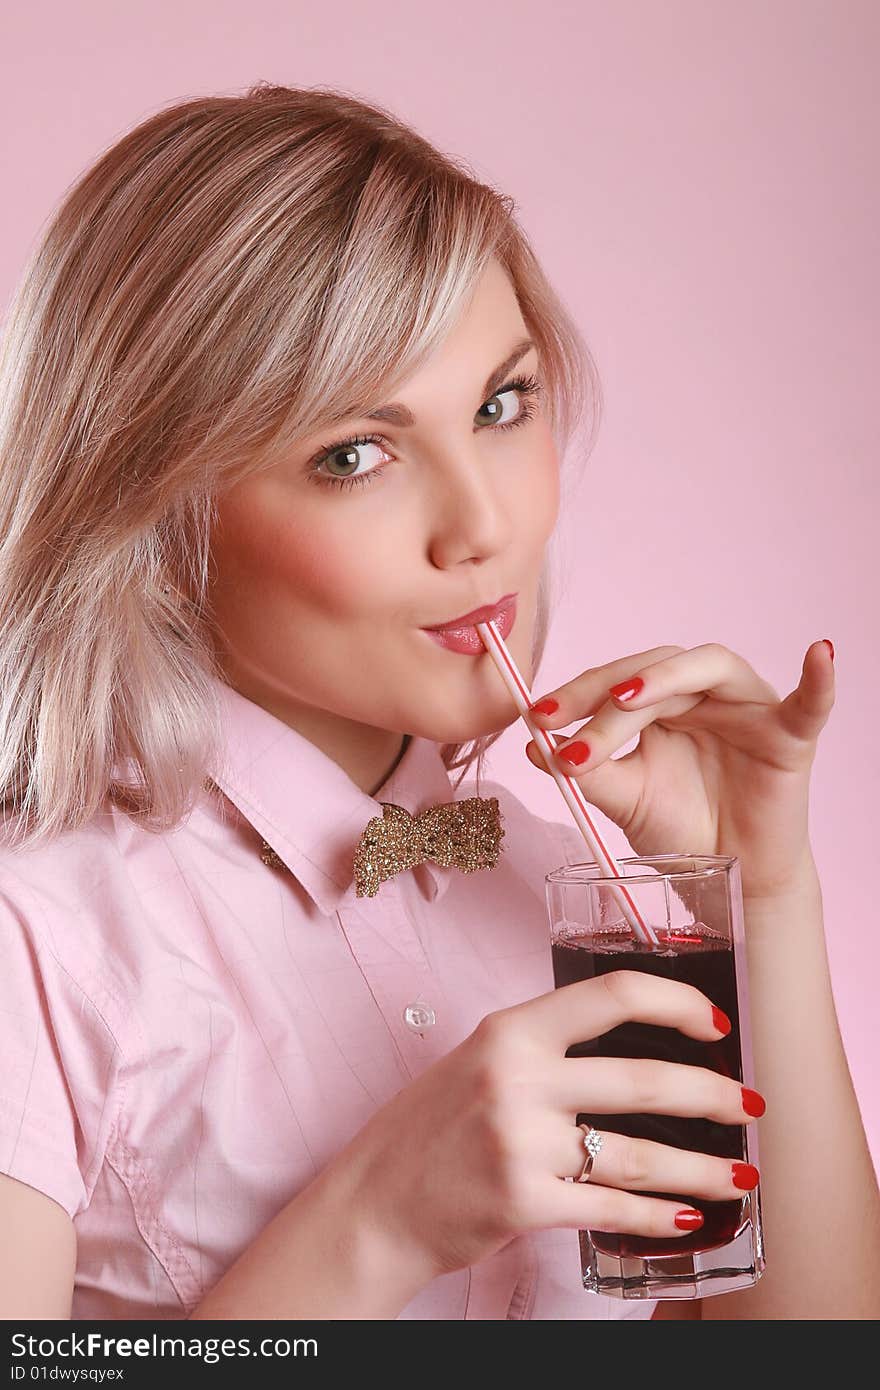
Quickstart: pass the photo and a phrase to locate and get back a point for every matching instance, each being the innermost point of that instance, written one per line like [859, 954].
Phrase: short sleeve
[60, 1067]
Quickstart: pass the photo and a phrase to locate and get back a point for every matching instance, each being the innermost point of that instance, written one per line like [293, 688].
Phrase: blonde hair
[233, 274]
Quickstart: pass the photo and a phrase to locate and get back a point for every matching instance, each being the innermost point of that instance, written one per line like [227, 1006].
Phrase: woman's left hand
[722, 765]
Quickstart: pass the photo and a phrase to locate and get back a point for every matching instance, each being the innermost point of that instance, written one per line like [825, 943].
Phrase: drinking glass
[694, 905]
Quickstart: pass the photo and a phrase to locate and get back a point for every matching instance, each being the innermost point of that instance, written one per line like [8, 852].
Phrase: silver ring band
[592, 1144]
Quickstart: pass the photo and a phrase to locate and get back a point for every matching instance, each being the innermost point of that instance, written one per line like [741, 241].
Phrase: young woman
[283, 389]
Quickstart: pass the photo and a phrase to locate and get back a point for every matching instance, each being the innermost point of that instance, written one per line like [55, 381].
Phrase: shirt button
[418, 1016]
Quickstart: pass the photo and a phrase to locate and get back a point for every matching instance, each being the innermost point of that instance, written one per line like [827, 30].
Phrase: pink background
[699, 179]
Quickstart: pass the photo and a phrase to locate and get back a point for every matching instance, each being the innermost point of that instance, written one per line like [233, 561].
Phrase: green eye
[528, 389]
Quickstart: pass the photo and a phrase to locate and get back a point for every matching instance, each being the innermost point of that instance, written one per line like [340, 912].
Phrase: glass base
[736, 1265]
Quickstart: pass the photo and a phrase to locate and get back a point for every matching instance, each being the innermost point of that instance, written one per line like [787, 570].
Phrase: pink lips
[462, 636]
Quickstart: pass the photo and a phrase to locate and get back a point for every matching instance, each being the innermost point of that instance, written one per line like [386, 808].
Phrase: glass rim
[591, 871]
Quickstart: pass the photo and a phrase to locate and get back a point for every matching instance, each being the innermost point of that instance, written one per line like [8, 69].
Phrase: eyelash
[527, 386]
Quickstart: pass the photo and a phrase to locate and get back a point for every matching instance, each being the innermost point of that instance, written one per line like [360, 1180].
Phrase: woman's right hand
[475, 1151]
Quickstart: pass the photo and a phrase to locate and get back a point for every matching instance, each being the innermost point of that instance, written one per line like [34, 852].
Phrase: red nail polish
[830, 645]
[627, 689]
[721, 1021]
[546, 706]
[753, 1104]
[576, 753]
[689, 1219]
[745, 1176]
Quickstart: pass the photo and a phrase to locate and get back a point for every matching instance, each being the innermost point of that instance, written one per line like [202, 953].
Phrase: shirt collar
[307, 807]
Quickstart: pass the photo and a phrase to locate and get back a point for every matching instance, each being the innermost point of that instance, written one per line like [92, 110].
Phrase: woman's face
[322, 590]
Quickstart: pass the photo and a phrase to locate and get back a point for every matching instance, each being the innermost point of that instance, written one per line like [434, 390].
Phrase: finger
[592, 745]
[668, 688]
[615, 785]
[588, 1008]
[707, 670]
[643, 1086]
[585, 693]
[805, 712]
[641, 1165]
[590, 1207]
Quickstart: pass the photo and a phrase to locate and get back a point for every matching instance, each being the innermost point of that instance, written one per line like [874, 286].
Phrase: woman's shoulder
[65, 1024]
[56, 875]
[66, 902]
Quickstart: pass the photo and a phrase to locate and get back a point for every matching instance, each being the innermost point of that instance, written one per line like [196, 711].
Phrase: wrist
[802, 884]
[375, 1255]
[321, 1256]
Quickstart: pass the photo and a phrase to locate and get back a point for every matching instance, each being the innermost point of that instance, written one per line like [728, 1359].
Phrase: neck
[407, 738]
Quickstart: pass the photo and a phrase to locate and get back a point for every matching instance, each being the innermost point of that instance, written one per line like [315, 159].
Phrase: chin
[465, 730]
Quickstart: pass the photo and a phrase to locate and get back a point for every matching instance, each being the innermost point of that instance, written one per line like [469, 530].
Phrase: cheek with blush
[286, 561]
[348, 578]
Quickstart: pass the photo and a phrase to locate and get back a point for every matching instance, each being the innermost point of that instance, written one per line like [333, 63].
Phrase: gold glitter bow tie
[463, 834]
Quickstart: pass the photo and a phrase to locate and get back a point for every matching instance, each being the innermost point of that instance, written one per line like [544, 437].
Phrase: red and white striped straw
[574, 797]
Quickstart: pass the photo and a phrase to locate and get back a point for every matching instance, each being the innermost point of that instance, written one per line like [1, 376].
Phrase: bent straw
[574, 797]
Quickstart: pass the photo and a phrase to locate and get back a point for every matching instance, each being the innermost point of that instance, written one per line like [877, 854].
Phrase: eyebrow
[399, 414]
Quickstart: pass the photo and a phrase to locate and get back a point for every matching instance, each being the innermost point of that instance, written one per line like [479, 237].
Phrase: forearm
[320, 1257]
[821, 1205]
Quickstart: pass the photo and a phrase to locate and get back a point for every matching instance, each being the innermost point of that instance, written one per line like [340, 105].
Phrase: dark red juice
[701, 958]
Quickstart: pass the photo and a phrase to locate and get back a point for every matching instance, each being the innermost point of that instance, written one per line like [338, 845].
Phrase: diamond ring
[592, 1144]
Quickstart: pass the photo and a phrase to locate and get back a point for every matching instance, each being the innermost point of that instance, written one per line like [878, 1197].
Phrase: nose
[468, 516]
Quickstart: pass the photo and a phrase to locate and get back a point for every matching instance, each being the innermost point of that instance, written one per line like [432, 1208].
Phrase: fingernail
[575, 753]
[753, 1104]
[546, 706]
[627, 689]
[745, 1176]
[830, 645]
[721, 1021]
[688, 1219]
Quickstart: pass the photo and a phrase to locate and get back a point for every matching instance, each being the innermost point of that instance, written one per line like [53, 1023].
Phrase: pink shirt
[187, 1035]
